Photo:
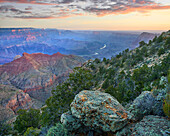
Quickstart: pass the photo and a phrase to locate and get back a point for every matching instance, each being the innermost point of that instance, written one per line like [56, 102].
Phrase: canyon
[87, 44]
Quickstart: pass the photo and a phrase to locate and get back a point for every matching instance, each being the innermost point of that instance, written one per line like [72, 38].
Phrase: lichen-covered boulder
[152, 126]
[99, 110]
[127, 130]
[70, 122]
[146, 104]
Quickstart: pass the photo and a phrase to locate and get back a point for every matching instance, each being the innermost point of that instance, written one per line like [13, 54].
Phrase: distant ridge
[145, 36]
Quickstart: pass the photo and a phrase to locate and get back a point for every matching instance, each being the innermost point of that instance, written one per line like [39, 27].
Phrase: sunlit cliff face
[86, 14]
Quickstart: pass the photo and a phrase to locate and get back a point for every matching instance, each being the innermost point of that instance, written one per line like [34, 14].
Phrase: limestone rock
[99, 110]
[152, 126]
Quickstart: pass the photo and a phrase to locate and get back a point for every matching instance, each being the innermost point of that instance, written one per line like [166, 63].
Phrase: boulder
[99, 110]
[152, 126]
[70, 122]
[73, 124]
[127, 130]
[145, 104]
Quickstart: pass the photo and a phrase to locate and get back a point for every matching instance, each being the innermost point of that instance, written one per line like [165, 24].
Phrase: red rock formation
[37, 73]
[30, 61]
[20, 100]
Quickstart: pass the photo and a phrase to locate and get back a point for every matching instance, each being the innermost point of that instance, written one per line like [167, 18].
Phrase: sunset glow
[86, 14]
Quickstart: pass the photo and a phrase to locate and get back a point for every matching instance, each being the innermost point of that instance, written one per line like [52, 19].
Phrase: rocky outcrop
[152, 126]
[96, 110]
[20, 100]
[38, 73]
[145, 104]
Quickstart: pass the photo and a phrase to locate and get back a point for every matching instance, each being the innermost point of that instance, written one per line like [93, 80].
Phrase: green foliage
[111, 90]
[102, 70]
[150, 42]
[169, 76]
[155, 38]
[119, 55]
[167, 41]
[127, 50]
[164, 67]
[92, 66]
[59, 102]
[141, 74]
[105, 84]
[137, 51]
[159, 39]
[104, 59]
[58, 130]
[32, 132]
[142, 43]
[97, 60]
[161, 51]
[152, 50]
[143, 50]
[6, 129]
[26, 119]
[166, 106]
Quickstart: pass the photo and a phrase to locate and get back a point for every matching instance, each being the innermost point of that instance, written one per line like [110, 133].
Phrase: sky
[86, 14]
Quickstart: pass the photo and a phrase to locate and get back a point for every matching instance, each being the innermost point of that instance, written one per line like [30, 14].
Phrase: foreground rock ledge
[152, 126]
[99, 110]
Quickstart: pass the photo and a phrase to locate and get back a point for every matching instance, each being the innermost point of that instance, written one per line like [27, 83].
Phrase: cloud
[125, 7]
[7, 8]
[34, 17]
[69, 8]
[28, 8]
